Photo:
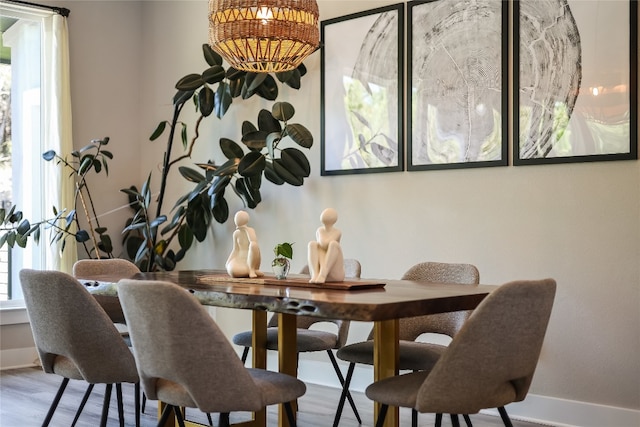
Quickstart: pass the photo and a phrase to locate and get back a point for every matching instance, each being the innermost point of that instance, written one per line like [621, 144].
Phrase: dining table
[381, 301]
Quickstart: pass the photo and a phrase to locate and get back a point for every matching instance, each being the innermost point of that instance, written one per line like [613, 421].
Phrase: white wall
[577, 223]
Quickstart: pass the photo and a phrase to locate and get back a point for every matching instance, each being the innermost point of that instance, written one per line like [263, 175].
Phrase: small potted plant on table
[282, 262]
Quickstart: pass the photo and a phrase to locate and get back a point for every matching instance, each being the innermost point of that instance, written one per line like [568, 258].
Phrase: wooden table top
[361, 300]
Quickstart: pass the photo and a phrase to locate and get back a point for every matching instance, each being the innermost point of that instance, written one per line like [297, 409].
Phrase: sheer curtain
[57, 135]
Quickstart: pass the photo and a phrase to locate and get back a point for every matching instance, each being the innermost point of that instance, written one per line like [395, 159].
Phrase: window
[22, 143]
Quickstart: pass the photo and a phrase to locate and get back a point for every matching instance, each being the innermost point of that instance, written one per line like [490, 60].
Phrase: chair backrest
[492, 359]
[352, 270]
[69, 326]
[443, 323]
[116, 268]
[107, 268]
[175, 339]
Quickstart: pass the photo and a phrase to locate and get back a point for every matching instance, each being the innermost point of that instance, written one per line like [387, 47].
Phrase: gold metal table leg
[259, 356]
[287, 357]
[385, 362]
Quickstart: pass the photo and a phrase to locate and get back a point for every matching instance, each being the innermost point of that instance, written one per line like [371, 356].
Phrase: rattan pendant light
[264, 35]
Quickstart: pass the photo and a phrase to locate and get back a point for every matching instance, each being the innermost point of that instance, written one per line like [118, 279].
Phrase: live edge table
[380, 301]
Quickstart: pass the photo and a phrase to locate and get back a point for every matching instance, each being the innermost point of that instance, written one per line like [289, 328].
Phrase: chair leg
[137, 402]
[336, 368]
[166, 412]
[455, 422]
[55, 402]
[290, 417]
[105, 405]
[414, 418]
[245, 353]
[467, 420]
[209, 419]
[82, 403]
[382, 415]
[120, 405]
[178, 411]
[438, 420]
[144, 402]
[224, 419]
[343, 395]
[505, 417]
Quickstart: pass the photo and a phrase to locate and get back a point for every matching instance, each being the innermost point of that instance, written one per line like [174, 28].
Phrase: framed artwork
[457, 92]
[362, 85]
[575, 86]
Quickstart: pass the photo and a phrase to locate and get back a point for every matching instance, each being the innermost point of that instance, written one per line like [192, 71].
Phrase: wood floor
[25, 396]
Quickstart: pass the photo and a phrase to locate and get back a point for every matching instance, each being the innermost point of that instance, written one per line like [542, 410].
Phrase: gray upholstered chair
[112, 269]
[415, 355]
[99, 269]
[76, 339]
[488, 364]
[185, 360]
[310, 340]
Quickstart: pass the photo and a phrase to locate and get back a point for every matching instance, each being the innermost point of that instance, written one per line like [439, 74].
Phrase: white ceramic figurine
[326, 262]
[244, 260]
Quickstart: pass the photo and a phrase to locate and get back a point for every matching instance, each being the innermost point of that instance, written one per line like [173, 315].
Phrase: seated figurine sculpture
[326, 262]
[244, 260]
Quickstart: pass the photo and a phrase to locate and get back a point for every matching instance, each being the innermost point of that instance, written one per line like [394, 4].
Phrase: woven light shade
[264, 35]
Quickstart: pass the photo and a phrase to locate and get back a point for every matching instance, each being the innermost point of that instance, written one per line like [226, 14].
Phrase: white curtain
[57, 131]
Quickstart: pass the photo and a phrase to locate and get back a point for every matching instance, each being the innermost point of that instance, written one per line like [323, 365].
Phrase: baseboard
[18, 358]
[539, 409]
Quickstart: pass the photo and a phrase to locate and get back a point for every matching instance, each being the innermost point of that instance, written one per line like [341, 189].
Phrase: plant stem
[167, 163]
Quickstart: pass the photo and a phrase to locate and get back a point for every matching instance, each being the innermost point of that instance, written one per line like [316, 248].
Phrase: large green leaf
[214, 74]
[190, 82]
[285, 174]
[223, 99]
[252, 163]
[268, 89]
[219, 184]
[185, 237]
[235, 87]
[282, 111]
[206, 101]
[294, 80]
[300, 135]
[268, 123]
[254, 80]
[250, 195]
[227, 168]
[248, 127]
[220, 209]
[230, 149]
[182, 96]
[271, 174]
[211, 56]
[256, 141]
[191, 174]
[295, 161]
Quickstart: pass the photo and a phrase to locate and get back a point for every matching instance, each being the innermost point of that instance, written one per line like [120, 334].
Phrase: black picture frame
[362, 86]
[457, 91]
[575, 90]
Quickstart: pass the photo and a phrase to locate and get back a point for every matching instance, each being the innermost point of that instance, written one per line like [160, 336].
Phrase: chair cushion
[401, 390]
[414, 356]
[65, 367]
[273, 386]
[308, 340]
[277, 387]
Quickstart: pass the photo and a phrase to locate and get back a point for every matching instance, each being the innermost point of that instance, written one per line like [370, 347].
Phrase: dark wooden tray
[292, 281]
